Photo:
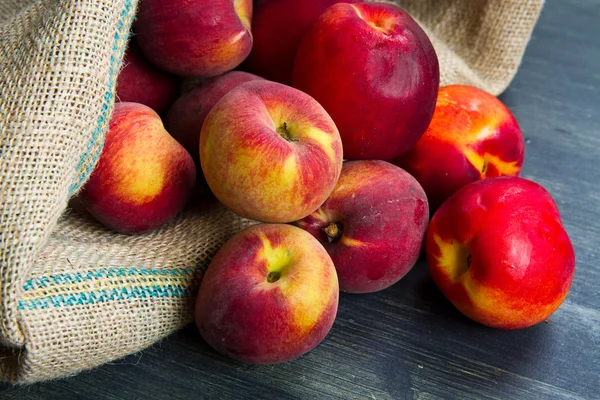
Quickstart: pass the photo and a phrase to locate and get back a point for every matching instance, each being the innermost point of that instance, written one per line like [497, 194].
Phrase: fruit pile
[335, 135]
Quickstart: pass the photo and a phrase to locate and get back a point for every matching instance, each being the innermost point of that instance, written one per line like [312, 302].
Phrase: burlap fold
[74, 295]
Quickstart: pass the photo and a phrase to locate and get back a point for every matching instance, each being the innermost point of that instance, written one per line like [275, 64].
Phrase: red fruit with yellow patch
[274, 159]
[374, 70]
[269, 295]
[472, 136]
[195, 38]
[498, 251]
[373, 225]
[143, 177]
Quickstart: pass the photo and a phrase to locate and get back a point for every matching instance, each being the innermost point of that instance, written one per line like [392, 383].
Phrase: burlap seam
[80, 294]
[110, 96]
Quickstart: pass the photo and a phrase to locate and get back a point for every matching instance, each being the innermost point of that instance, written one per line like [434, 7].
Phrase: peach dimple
[379, 20]
[454, 258]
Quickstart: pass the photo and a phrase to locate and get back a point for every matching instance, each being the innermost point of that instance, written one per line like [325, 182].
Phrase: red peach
[143, 177]
[472, 136]
[373, 225]
[498, 251]
[276, 159]
[269, 295]
[376, 73]
[195, 38]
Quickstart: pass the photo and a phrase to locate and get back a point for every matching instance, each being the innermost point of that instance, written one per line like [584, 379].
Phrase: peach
[373, 225]
[278, 27]
[276, 159]
[195, 38]
[269, 295]
[472, 136]
[498, 251]
[185, 118]
[140, 82]
[143, 177]
[376, 73]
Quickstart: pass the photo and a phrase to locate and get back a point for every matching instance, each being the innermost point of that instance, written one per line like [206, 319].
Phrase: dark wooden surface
[407, 341]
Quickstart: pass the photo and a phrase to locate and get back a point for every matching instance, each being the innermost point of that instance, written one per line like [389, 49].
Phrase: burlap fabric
[74, 295]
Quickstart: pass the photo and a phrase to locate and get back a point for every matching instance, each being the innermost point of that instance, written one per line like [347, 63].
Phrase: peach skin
[269, 295]
[498, 251]
[195, 38]
[374, 70]
[278, 27]
[373, 225]
[143, 177]
[276, 159]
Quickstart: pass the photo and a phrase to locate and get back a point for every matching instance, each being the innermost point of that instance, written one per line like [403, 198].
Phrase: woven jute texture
[74, 295]
[478, 42]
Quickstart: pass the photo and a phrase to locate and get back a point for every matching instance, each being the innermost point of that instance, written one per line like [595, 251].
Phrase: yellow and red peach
[376, 73]
[278, 27]
[498, 251]
[140, 82]
[472, 136]
[269, 295]
[143, 177]
[186, 116]
[276, 159]
[201, 38]
[373, 225]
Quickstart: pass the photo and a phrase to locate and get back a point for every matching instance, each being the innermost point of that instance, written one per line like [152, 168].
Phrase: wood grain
[408, 342]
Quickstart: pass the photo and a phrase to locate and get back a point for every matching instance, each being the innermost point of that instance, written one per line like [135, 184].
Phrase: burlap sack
[74, 295]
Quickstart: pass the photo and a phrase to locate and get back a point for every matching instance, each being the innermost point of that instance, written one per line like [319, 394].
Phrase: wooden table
[408, 341]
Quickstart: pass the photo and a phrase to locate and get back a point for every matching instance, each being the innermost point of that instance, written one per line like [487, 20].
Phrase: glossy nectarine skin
[498, 251]
[195, 38]
[270, 152]
[472, 136]
[140, 82]
[376, 73]
[278, 26]
[185, 118]
[143, 177]
[373, 225]
[269, 295]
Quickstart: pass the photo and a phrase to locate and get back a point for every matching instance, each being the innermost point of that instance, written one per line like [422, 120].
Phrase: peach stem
[273, 276]
[334, 231]
[285, 133]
